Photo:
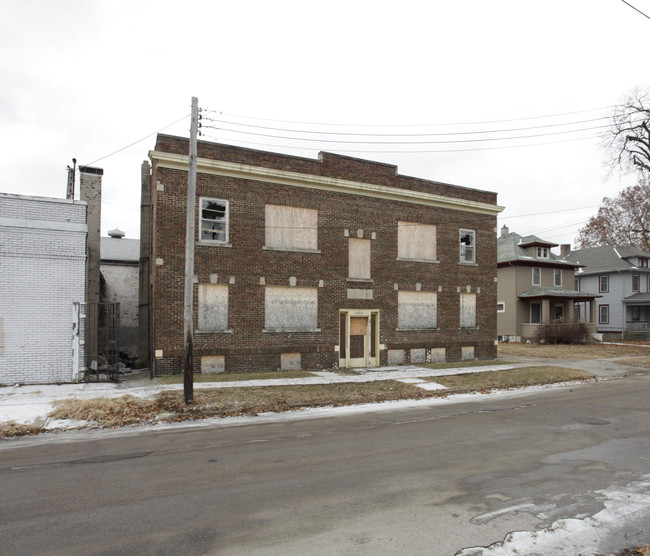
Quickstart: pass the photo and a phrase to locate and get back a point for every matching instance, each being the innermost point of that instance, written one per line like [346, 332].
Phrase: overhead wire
[138, 141]
[401, 151]
[557, 115]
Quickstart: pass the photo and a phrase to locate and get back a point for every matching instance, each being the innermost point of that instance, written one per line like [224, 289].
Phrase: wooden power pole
[190, 238]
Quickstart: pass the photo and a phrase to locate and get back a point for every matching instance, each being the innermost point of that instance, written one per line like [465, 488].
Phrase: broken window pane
[214, 220]
[467, 246]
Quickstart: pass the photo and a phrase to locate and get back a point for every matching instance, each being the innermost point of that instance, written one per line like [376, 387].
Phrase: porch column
[592, 311]
[569, 311]
[546, 311]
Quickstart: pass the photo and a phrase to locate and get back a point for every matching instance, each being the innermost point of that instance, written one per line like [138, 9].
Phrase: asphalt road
[430, 479]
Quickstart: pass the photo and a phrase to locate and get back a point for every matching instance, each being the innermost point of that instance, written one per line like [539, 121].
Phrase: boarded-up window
[289, 308]
[416, 241]
[291, 228]
[359, 259]
[467, 310]
[213, 307]
[417, 310]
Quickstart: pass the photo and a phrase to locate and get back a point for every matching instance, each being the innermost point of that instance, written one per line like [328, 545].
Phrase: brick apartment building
[316, 263]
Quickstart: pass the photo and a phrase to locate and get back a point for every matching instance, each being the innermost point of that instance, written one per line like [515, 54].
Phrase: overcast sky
[87, 79]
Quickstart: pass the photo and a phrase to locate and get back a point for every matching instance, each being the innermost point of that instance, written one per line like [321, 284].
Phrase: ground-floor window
[290, 308]
[467, 310]
[603, 314]
[535, 313]
[417, 310]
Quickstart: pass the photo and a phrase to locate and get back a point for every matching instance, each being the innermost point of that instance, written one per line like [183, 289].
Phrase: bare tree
[622, 220]
[627, 138]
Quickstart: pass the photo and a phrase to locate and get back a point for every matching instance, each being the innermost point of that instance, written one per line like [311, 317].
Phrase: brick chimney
[565, 250]
[504, 231]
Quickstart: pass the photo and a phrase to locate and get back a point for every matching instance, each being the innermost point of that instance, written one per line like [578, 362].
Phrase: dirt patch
[571, 352]
[636, 362]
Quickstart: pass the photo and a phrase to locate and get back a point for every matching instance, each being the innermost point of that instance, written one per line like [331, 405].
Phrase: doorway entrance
[358, 338]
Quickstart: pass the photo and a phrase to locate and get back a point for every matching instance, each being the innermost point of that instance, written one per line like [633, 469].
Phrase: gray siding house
[535, 287]
[621, 277]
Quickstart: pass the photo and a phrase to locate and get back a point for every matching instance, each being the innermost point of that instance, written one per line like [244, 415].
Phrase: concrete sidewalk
[33, 403]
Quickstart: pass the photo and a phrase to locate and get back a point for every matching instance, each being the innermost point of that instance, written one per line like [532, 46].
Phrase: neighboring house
[119, 267]
[42, 276]
[317, 263]
[535, 287]
[621, 277]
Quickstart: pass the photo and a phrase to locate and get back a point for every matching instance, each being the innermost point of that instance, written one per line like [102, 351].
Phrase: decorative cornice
[258, 173]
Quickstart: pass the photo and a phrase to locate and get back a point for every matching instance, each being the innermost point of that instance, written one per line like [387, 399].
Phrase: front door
[358, 342]
[359, 338]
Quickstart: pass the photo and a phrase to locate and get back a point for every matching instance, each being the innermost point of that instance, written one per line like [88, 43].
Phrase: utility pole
[190, 237]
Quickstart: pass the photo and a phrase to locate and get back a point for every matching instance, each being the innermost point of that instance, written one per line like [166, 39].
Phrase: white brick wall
[42, 272]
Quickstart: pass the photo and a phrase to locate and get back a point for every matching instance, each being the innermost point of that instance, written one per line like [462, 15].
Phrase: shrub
[563, 333]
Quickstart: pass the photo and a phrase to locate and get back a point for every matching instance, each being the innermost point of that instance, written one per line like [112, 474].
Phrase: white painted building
[42, 275]
[119, 269]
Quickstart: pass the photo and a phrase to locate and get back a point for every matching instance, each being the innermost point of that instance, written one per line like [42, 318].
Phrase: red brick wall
[247, 347]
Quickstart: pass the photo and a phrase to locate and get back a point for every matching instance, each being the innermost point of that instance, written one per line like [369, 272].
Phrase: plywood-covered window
[417, 310]
[291, 228]
[467, 310]
[359, 259]
[416, 241]
[290, 308]
[213, 307]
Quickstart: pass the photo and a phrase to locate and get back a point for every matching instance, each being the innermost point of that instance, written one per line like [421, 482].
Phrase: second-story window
[542, 252]
[467, 246]
[359, 259]
[214, 220]
[416, 242]
[636, 282]
[557, 277]
[291, 228]
[603, 284]
[537, 276]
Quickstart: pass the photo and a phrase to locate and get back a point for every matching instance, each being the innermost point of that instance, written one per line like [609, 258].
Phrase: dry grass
[107, 412]
[571, 352]
[230, 377]
[511, 378]
[228, 402]
[638, 551]
[11, 428]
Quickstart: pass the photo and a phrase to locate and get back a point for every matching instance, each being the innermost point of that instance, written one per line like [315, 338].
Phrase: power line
[401, 151]
[449, 133]
[451, 141]
[637, 9]
[549, 212]
[136, 142]
[418, 125]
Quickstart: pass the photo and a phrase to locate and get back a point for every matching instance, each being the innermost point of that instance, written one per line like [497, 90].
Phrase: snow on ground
[625, 509]
[31, 404]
